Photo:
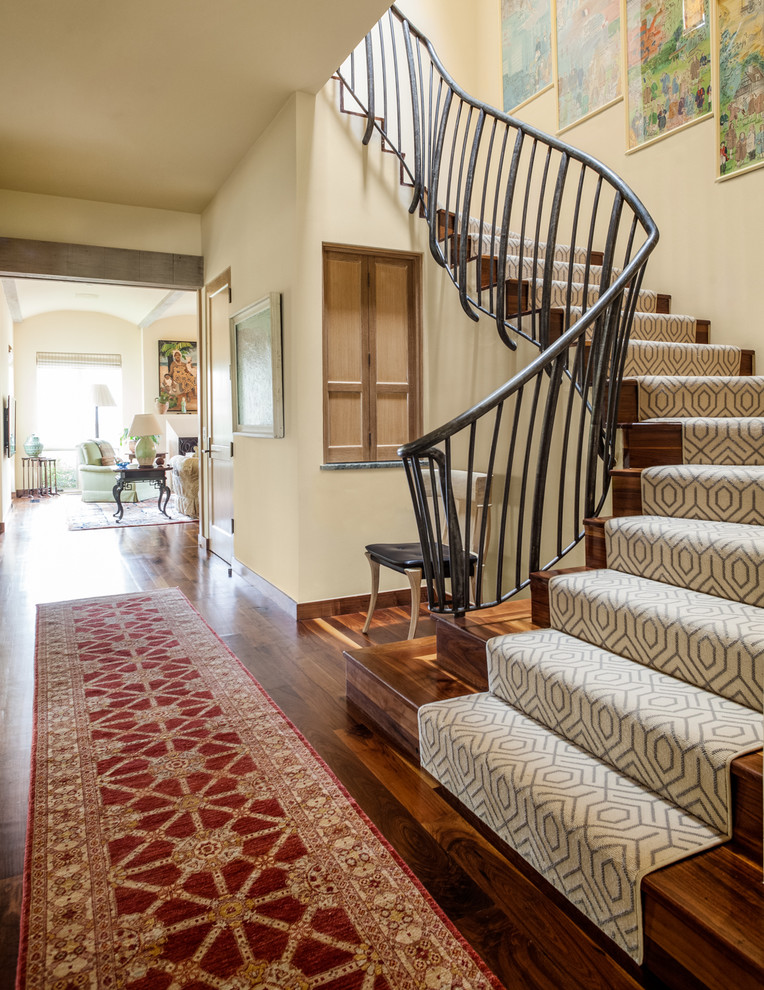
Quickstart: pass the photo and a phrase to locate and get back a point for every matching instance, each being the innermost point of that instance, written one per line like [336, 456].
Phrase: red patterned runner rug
[183, 835]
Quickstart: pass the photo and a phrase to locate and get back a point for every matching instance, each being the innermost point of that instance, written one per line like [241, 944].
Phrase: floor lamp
[101, 397]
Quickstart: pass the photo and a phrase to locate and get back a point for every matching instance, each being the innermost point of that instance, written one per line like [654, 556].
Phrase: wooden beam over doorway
[22, 258]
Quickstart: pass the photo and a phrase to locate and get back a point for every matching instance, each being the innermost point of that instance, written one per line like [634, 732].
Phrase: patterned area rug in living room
[184, 835]
[100, 515]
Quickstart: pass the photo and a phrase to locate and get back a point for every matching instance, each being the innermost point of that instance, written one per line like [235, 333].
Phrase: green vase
[145, 451]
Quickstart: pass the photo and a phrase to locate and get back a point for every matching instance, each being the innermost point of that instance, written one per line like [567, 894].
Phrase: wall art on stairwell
[587, 58]
[740, 86]
[668, 67]
[256, 379]
[526, 50]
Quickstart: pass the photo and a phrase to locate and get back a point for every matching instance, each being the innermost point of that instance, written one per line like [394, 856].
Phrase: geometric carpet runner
[713, 643]
[723, 440]
[184, 835]
[705, 491]
[684, 396]
[589, 830]
[594, 768]
[716, 558]
[659, 357]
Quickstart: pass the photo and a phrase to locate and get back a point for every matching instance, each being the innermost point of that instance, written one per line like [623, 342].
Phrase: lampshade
[145, 425]
[102, 396]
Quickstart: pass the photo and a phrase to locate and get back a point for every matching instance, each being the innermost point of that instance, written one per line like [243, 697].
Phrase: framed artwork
[9, 424]
[740, 85]
[668, 67]
[257, 378]
[177, 375]
[587, 58]
[526, 50]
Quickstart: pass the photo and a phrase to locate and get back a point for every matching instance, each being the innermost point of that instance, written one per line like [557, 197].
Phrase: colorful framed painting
[177, 376]
[740, 85]
[668, 67]
[526, 50]
[587, 58]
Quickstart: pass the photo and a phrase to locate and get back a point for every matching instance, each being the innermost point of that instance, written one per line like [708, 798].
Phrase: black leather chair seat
[406, 556]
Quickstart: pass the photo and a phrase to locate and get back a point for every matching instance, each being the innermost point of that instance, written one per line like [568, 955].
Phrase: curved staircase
[614, 743]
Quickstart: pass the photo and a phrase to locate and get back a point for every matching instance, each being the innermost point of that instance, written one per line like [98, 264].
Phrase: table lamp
[145, 426]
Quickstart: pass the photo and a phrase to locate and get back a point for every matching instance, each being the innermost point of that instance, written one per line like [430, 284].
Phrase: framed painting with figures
[177, 375]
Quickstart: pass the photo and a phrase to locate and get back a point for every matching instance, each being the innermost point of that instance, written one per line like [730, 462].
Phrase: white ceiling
[154, 102]
[29, 297]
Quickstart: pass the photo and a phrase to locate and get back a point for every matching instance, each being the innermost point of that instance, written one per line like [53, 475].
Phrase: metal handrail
[550, 244]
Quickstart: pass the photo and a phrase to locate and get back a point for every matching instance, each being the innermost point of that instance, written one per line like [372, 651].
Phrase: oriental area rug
[184, 836]
[100, 515]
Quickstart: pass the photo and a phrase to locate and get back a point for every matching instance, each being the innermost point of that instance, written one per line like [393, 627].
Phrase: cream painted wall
[309, 181]
[169, 328]
[78, 221]
[72, 331]
[7, 387]
[250, 227]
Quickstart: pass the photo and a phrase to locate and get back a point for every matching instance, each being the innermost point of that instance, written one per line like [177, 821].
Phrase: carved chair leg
[415, 580]
[374, 591]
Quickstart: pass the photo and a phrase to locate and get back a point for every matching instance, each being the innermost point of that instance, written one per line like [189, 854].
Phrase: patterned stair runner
[698, 491]
[671, 327]
[651, 358]
[717, 558]
[713, 396]
[591, 831]
[670, 736]
[648, 300]
[713, 643]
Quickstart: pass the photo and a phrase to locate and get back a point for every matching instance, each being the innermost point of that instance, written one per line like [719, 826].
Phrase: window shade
[65, 359]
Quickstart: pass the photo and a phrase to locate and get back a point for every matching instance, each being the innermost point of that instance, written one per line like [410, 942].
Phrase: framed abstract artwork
[526, 50]
[668, 67]
[587, 58]
[177, 375]
[740, 86]
[256, 376]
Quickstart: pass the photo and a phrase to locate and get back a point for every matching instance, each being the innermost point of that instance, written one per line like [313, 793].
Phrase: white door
[219, 420]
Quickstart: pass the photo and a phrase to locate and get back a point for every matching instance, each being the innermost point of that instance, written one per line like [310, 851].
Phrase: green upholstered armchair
[95, 463]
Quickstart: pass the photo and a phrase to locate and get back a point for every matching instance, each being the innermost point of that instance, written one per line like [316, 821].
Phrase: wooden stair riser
[704, 917]
[651, 444]
[626, 487]
[461, 642]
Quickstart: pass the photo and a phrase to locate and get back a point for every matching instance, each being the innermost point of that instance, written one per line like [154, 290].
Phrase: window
[372, 354]
[65, 408]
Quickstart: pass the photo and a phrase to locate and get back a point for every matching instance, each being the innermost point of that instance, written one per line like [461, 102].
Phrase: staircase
[614, 743]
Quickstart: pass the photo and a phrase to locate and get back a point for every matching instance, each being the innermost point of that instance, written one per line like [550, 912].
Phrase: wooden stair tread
[707, 912]
[388, 684]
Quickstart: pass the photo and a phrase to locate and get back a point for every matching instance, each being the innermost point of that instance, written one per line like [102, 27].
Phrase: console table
[127, 475]
[38, 477]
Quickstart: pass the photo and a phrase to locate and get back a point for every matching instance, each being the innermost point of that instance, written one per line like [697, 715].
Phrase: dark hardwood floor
[301, 666]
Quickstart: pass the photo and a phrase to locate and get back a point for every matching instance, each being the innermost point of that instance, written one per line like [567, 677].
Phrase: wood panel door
[219, 449]
[372, 354]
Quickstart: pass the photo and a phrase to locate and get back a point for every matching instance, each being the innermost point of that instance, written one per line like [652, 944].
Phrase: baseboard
[355, 603]
[324, 608]
[274, 594]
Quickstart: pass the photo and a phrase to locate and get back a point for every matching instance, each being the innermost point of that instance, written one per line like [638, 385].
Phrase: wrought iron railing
[551, 245]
